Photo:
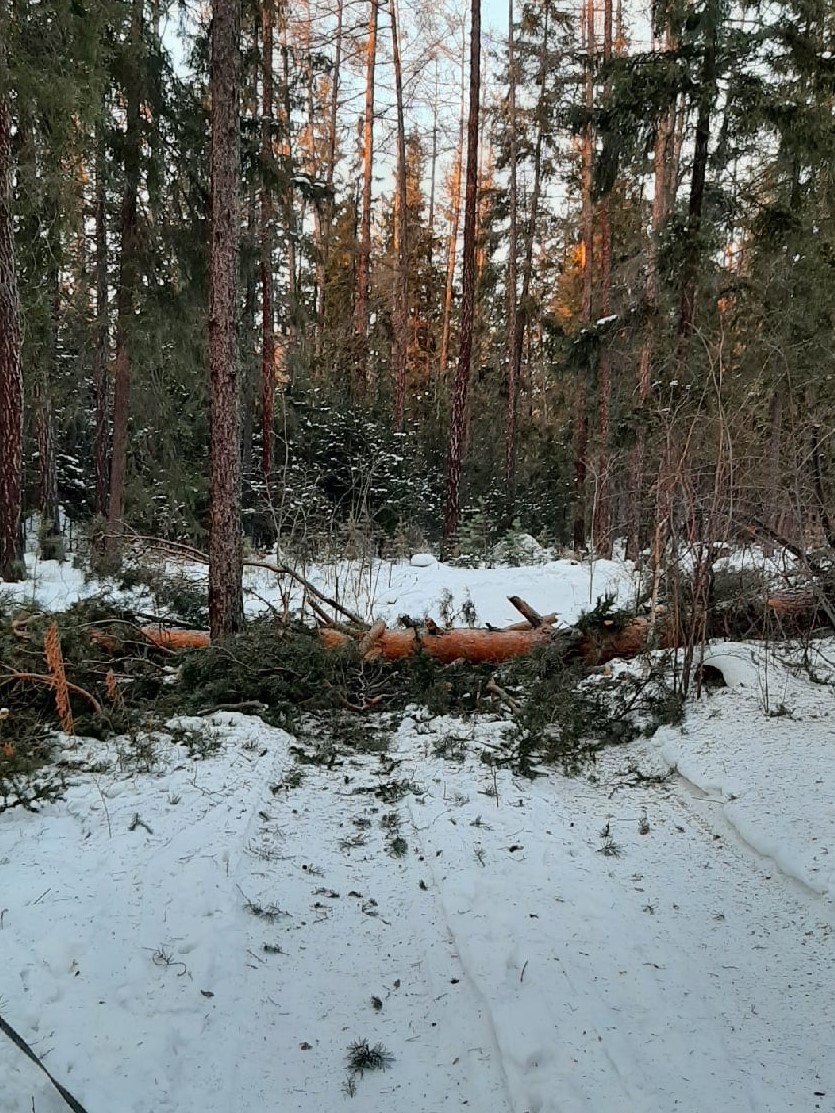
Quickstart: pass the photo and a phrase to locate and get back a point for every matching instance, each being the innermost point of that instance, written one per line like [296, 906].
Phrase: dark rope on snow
[20, 1042]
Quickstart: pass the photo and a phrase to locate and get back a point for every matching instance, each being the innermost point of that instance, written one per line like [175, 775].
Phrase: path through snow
[516, 967]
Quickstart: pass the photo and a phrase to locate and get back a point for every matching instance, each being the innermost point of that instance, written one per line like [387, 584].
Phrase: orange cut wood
[451, 645]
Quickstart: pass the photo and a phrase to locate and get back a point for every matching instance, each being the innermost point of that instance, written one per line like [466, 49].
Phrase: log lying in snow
[476, 646]
[448, 645]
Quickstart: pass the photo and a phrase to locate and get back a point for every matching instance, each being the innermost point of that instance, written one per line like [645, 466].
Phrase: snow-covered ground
[213, 935]
[372, 589]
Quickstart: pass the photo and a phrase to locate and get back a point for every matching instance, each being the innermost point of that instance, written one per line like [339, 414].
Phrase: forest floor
[216, 934]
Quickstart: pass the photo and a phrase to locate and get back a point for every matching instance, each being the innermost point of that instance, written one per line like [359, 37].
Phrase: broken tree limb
[533, 617]
[41, 678]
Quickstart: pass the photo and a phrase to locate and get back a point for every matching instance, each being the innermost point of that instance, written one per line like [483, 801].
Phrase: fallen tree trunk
[448, 645]
[462, 643]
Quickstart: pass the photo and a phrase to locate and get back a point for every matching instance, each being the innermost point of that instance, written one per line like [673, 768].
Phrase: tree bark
[11, 379]
[401, 278]
[364, 259]
[267, 325]
[225, 555]
[512, 248]
[587, 240]
[462, 374]
[452, 243]
[663, 178]
[125, 293]
[602, 528]
[101, 357]
[692, 255]
[326, 226]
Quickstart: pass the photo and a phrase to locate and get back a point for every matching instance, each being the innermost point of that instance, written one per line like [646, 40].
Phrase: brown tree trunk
[587, 232]
[521, 316]
[101, 357]
[452, 243]
[512, 248]
[401, 278]
[664, 176]
[326, 226]
[267, 326]
[225, 555]
[288, 193]
[602, 528]
[364, 259]
[11, 380]
[45, 411]
[692, 254]
[125, 292]
[462, 374]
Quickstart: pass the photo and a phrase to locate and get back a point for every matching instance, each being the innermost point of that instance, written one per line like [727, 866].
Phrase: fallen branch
[40, 678]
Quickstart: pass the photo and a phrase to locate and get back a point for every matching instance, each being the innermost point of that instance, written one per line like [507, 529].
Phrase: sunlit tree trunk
[452, 241]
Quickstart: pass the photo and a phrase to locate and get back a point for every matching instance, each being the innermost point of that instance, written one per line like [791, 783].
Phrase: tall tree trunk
[587, 234]
[330, 166]
[225, 555]
[512, 248]
[267, 174]
[401, 278]
[706, 96]
[452, 242]
[462, 374]
[433, 171]
[664, 177]
[364, 260]
[11, 379]
[101, 356]
[288, 193]
[522, 313]
[45, 411]
[602, 528]
[125, 293]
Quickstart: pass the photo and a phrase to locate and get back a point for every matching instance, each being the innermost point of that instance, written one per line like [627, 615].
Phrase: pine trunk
[326, 224]
[512, 248]
[602, 528]
[692, 255]
[581, 424]
[125, 293]
[267, 327]
[101, 357]
[11, 380]
[401, 278]
[364, 260]
[225, 555]
[462, 375]
[452, 242]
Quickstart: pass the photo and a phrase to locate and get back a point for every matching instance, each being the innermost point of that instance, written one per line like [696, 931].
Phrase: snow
[372, 588]
[210, 936]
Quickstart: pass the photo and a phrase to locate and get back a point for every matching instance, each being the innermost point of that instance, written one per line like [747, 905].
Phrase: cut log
[176, 639]
[451, 645]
